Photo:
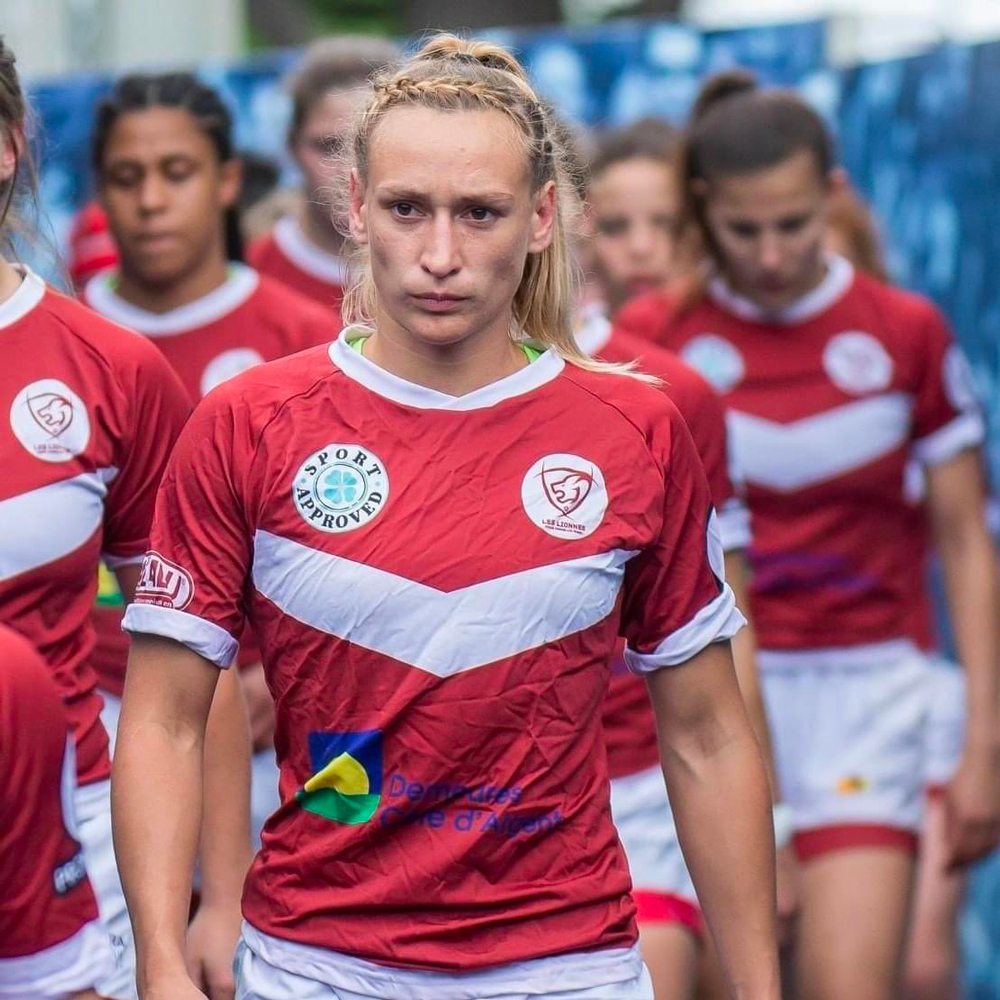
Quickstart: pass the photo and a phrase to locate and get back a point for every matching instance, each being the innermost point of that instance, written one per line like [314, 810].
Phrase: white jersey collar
[593, 329]
[838, 278]
[241, 283]
[26, 296]
[357, 367]
[302, 252]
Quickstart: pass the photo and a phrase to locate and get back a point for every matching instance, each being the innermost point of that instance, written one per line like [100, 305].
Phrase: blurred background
[911, 87]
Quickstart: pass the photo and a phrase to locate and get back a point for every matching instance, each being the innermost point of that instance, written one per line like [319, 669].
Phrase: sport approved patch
[340, 487]
[50, 420]
[565, 495]
[857, 363]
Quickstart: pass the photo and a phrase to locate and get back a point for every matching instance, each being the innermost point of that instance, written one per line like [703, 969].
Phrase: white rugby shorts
[93, 818]
[69, 967]
[945, 722]
[661, 883]
[849, 728]
[560, 977]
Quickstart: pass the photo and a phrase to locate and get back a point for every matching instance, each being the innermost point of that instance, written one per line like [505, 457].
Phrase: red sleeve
[158, 406]
[46, 895]
[676, 600]
[946, 414]
[193, 578]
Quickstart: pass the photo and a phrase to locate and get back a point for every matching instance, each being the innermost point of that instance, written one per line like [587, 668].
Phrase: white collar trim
[241, 283]
[358, 368]
[302, 252]
[26, 296]
[838, 278]
[593, 330]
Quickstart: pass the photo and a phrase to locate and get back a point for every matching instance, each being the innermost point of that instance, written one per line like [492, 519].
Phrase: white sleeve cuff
[201, 637]
[114, 562]
[718, 620]
[734, 525]
[965, 431]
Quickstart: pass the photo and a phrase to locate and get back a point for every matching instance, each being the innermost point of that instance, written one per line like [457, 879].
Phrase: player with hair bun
[305, 249]
[437, 528]
[834, 381]
[79, 395]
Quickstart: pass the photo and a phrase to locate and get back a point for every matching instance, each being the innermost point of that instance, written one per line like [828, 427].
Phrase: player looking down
[834, 381]
[437, 528]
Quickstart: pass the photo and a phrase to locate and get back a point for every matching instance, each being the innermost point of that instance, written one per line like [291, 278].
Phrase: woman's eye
[404, 209]
[480, 214]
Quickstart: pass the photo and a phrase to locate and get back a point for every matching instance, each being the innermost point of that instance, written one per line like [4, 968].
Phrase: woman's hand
[210, 948]
[172, 987]
[973, 806]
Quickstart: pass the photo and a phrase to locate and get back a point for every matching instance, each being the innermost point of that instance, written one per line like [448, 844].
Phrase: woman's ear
[358, 210]
[543, 218]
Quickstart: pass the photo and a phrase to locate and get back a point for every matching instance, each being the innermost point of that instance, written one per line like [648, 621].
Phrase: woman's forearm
[970, 571]
[157, 797]
[225, 832]
[722, 804]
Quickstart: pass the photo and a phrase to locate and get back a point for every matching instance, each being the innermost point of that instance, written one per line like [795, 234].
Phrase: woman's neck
[317, 225]
[454, 369]
[778, 304]
[164, 297]
[10, 279]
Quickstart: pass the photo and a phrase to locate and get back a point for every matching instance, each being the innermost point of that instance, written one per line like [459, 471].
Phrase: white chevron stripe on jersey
[442, 632]
[804, 452]
[52, 521]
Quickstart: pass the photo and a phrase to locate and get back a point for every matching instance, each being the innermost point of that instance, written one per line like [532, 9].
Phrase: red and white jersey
[629, 725]
[246, 321]
[828, 401]
[91, 412]
[46, 895]
[288, 255]
[437, 585]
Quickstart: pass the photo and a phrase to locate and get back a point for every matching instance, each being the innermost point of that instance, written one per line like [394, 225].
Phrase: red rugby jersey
[92, 412]
[629, 726]
[46, 895]
[288, 255]
[437, 585]
[247, 320]
[828, 401]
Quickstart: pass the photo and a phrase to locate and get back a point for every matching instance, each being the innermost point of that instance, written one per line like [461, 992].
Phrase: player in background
[437, 528]
[631, 218]
[833, 382]
[305, 249]
[79, 396]
[168, 178]
[931, 967]
[52, 946]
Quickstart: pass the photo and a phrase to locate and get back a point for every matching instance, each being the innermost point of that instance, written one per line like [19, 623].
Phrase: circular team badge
[857, 363]
[50, 420]
[227, 365]
[565, 495]
[340, 487]
[717, 360]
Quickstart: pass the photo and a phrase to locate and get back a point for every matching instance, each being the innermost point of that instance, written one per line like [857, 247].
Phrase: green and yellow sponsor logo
[346, 784]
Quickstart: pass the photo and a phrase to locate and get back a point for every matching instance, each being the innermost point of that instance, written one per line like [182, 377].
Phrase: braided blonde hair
[451, 74]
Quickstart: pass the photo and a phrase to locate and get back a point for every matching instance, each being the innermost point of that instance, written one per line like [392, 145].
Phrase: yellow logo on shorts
[851, 785]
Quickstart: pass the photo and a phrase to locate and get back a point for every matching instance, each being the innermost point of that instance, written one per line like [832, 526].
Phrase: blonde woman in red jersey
[931, 970]
[438, 527]
[833, 381]
[305, 249]
[80, 469]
